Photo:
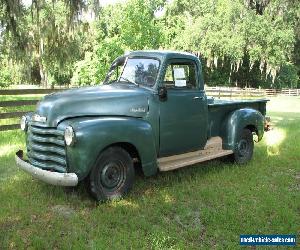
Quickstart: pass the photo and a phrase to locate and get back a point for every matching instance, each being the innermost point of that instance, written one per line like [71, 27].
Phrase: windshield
[140, 71]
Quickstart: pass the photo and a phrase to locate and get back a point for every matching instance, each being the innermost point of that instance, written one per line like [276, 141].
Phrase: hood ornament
[38, 118]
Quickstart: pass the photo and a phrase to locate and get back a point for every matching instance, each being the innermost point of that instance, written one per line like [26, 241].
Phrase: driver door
[183, 115]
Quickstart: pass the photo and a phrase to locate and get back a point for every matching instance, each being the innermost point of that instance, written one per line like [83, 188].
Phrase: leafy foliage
[245, 42]
[114, 36]
[231, 31]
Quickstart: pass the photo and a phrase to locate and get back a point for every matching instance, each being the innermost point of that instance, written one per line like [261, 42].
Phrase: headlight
[23, 123]
[69, 136]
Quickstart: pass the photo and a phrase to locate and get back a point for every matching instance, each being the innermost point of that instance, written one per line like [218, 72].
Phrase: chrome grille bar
[46, 148]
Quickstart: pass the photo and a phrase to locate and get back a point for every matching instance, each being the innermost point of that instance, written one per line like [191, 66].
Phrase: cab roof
[162, 54]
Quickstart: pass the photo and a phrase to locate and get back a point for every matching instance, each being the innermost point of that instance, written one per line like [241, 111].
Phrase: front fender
[238, 120]
[94, 134]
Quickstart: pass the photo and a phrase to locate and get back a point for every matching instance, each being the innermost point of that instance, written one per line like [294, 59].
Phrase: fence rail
[12, 115]
[290, 92]
[19, 103]
[231, 92]
[217, 92]
[222, 92]
[28, 91]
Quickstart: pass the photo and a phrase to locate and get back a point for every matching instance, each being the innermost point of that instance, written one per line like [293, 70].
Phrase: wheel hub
[111, 175]
[243, 147]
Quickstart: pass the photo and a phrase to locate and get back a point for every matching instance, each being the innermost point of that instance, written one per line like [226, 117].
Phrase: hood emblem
[38, 118]
[138, 110]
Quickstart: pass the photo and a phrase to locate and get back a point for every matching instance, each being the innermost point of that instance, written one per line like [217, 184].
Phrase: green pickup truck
[151, 112]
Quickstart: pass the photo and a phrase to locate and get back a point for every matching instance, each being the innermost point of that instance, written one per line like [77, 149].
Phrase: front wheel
[243, 147]
[112, 175]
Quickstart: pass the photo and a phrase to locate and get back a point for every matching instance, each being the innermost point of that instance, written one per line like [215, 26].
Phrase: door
[183, 115]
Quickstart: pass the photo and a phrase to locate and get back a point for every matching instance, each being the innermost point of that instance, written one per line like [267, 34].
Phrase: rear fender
[93, 135]
[236, 121]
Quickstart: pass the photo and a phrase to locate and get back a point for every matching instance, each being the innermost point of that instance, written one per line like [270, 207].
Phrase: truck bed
[219, 109]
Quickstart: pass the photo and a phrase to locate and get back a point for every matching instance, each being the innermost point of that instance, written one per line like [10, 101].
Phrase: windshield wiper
[130, 81]
[110, 82]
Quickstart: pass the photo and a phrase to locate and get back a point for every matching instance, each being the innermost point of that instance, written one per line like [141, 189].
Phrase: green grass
[205, 206]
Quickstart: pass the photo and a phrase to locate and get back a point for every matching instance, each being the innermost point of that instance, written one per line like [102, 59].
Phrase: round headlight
[69, 136]
[23, 123]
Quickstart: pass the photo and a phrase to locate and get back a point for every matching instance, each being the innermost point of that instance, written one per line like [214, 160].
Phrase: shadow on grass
[144, 186]
[152, 205]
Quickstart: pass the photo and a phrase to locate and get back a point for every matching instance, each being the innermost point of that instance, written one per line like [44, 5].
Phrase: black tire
[244, 145]
[112, 176]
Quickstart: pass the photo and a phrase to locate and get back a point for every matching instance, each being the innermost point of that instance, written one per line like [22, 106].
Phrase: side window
[180, 75]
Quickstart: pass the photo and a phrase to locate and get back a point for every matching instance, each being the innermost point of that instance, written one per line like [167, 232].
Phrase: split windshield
[140, 71]
[136, 70]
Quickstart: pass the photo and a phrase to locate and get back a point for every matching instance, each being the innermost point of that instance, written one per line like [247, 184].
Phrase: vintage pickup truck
[151, 113]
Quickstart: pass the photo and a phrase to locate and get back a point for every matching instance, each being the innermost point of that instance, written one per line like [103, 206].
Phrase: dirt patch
[64, 211]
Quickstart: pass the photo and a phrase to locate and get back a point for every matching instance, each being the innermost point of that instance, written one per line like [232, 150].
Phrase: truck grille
[46, 148]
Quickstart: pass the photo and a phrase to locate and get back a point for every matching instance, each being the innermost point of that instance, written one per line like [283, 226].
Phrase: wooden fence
[18, 103]
[227, 92]
[217, 92]
[230, 92]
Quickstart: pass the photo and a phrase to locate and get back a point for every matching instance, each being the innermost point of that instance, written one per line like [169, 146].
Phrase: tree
[245, 42]
[256, 34]
[133, 27]
[42, 36]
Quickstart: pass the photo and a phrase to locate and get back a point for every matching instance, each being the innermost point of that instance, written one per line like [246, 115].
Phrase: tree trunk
[42, 72]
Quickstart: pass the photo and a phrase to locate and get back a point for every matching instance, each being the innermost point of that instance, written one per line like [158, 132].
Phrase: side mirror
[162, 93]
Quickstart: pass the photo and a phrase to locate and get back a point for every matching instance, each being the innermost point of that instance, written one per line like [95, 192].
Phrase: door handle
[198, 97]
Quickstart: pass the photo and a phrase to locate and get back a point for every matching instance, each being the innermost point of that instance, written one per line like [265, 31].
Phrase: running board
[213, 149]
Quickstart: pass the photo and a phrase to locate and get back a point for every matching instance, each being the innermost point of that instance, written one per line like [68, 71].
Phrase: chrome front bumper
[54, 178]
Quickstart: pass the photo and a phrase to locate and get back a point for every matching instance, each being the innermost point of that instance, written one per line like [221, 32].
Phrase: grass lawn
[204, 206]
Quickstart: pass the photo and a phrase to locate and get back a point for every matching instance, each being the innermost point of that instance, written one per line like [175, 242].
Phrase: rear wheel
[243, 147]
[112, 176]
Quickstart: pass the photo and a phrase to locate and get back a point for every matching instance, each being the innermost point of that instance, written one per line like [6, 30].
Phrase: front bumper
[54, 178]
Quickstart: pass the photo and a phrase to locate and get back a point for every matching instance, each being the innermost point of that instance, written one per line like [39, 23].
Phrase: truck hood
[105, 100]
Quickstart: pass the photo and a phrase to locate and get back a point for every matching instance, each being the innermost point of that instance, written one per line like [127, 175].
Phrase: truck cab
[150, 112]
